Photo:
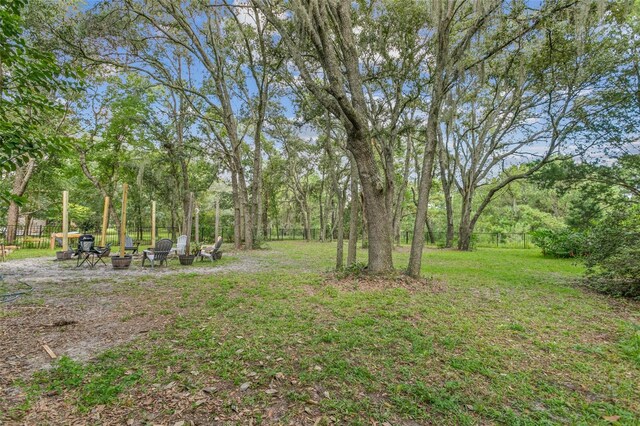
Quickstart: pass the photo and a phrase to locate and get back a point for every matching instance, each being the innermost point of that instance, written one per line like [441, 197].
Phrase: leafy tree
[32, 82]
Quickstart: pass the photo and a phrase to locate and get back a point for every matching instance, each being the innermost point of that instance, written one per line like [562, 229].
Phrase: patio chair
[215, 252]
[85, 250]
[129, 245]
[181, 245]
[159, 253]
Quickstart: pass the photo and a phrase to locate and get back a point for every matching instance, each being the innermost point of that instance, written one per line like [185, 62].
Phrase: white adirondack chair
[181, 247]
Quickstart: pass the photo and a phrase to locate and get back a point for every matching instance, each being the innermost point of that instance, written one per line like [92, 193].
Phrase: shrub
[356, 269]
[560, 243]
[613, 261]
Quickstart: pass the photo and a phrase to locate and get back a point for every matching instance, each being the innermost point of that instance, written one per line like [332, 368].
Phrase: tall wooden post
[65, 220]
[123, 220]
[153, 224]
[105, 222]
[215, 237]
[197, 211]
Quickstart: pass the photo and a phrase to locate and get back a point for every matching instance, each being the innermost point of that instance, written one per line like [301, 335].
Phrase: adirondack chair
[159, 253]
[215, 252]
[181, 246]
[129, 245]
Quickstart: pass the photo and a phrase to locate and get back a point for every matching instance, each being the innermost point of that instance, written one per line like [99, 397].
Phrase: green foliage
[613, 254]
[356, 269]
[559, 243]
[31, 82]
[603, 221]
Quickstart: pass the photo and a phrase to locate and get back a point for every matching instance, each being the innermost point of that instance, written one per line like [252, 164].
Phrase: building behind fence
[39, 236]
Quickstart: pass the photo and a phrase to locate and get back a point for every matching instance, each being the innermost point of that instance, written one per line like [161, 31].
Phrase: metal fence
[478, 239]
[41, 236]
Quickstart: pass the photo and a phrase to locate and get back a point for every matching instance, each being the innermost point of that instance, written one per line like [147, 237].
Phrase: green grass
[28, 253]
[495, 336]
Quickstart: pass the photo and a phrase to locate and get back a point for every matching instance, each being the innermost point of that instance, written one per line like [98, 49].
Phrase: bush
[560, 243]
[613, 261]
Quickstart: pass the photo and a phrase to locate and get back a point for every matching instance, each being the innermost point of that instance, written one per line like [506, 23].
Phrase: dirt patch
[377, 283]
[76, 326]
[80, 312]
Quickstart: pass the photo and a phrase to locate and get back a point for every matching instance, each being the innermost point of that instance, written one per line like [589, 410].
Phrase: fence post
[497, 241]
[524, 240]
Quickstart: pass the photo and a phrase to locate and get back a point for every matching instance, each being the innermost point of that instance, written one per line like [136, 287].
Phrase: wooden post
[65, 220]
[123, 220]
[105, 222]
[215, 237]
[153, 224]
[197, 230]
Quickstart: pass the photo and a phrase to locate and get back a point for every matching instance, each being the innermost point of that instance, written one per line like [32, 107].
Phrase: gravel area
[45, 269]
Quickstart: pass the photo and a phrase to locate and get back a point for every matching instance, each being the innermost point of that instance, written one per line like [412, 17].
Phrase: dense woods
[373, 123]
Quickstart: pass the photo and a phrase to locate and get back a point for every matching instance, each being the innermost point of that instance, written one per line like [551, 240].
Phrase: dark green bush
[560, 243]
[613, 260]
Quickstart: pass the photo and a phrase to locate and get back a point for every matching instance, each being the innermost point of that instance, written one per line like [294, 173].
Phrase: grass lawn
[493, 336]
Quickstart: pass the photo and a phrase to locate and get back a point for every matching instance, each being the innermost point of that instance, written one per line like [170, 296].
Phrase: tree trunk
[322, 224]
[12, 222]
[217, 229]
[340, 231]
[432, 236]
[375, 205]
[364, 222]
[466, 223]
[27, 224]
[256, 184]
[174, 219]
[399, 207]
[246, 211]
[353, 221]
[188, 225]
[237, 217]
[265, 219]
[21, 180]
[417, 244]
[446, 189]
[306, 223]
